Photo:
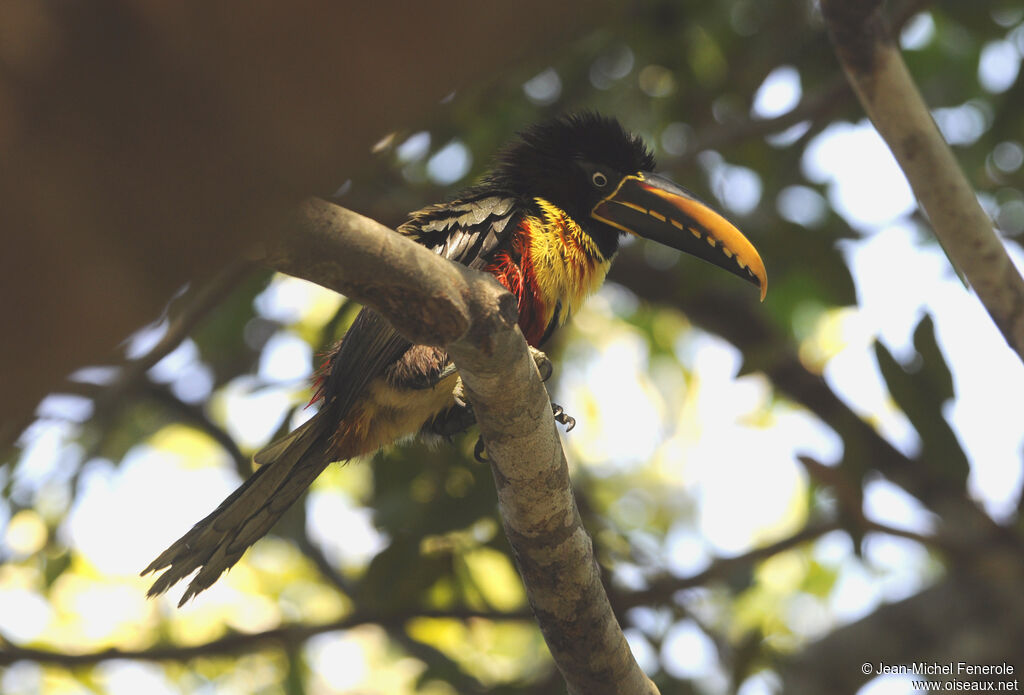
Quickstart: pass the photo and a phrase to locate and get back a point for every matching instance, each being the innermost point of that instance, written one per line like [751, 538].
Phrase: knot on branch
[424, 319]
[493, 308]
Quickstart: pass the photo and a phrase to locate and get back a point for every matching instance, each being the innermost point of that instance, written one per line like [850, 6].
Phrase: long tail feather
[217, 542]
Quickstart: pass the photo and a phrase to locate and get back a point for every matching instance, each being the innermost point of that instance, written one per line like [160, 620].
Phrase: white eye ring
[599, 179]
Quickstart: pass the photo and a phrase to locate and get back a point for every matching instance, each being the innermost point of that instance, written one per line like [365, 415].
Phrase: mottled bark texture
[875, 68]
[430, 300]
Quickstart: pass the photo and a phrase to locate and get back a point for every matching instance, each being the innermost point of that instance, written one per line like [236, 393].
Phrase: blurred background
[767, 485]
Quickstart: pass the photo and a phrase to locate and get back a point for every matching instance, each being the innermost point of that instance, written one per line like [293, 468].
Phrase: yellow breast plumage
[566, 263]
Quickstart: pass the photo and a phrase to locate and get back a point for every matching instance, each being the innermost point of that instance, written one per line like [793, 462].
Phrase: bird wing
[369, 346]
[465, 231]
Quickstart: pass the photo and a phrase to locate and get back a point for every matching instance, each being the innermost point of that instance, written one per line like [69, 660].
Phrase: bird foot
[452, 422]
[563, 417]
[544, 366]
[480, 451]
[459, 394]
[429, 380]
[462, 416]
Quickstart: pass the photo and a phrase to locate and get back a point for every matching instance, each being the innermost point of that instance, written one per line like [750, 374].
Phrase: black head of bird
[602, 176]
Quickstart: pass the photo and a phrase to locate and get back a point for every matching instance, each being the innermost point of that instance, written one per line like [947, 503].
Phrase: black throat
[606, 238]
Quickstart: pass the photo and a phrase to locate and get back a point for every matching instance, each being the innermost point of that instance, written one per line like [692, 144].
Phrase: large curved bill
[653, 207]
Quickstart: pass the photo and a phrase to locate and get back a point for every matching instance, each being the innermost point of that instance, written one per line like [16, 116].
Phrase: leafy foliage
[724, 466]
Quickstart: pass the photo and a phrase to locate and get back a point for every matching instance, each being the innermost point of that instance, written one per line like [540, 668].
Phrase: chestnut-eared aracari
[546, 222]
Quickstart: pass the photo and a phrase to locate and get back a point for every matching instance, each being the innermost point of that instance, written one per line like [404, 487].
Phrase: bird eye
[599, 179]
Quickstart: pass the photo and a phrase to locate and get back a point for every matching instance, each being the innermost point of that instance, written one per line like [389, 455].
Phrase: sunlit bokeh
[694, 458]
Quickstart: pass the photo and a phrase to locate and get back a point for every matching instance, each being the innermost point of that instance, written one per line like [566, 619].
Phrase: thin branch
[850, 501]
[197, 416]
[315, 553]
[198, 306]
[193, 414]
[432, 301]
[823, 102]
[873, 526]
[662, 589]
[285, 636]
[974, 617]
[767, 349]
[464, 682]
[875, 68]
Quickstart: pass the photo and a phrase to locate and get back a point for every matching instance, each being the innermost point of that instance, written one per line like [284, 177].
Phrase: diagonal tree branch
[880, 78]
[662, 588]
[828, 99]
[969, 617]
[198, 302]
[197, 416]
[432, 301]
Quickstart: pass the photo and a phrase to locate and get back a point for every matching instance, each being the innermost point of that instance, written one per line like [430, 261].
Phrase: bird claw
[480, 451]
[452, 422]
[543, 362]
[459, 394]
[563, 417]
[546, 369]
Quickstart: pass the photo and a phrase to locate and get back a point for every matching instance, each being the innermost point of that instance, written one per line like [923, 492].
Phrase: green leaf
[935, 371]
[400, 575]
[54, 565]
[920, 389]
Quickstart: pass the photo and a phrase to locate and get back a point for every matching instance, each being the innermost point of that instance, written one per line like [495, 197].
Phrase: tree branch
[432, 301]
[462, 681]
[975, 618]
[286, 636]
[875, 68]
[829, 98]
[197, 304]
[197, 416]
[661, 589]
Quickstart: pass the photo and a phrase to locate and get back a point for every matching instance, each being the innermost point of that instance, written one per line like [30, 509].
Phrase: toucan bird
[546, 221]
